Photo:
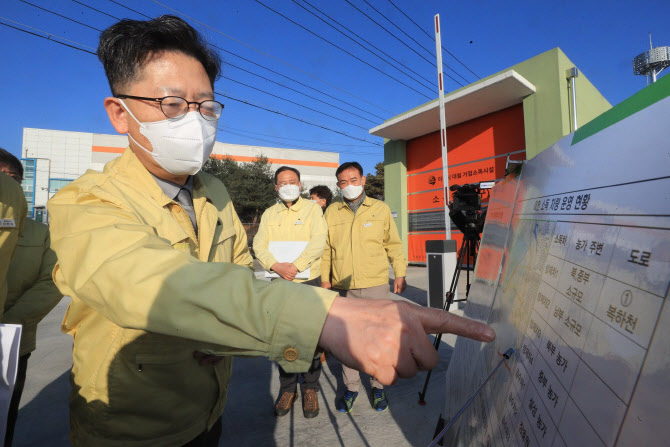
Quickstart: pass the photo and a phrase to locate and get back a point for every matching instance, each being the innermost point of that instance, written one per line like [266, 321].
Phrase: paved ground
[249, 418]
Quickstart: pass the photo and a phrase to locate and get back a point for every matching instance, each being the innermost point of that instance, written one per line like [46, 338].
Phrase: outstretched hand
[388, 339]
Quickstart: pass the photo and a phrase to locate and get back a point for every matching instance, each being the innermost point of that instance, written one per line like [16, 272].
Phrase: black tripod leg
[441, 422]
[454, 279]
[473, 247]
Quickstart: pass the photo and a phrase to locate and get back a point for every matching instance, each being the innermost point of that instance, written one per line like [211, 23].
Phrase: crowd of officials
[348, 248]
[160, 275]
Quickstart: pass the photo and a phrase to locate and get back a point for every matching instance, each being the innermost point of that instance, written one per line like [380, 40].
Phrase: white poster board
[287, 251]
[573, 273]
[10, 340]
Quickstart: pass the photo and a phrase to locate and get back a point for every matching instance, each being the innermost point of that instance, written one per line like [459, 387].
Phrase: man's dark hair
[127, 45]
[13, 163]
[286, 168]
[323, 192]
[349, 164]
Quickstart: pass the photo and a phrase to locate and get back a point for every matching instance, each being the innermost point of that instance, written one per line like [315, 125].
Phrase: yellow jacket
[359, 247]
[147, 293]
[32, 293]
[302, 222]
[13, 209]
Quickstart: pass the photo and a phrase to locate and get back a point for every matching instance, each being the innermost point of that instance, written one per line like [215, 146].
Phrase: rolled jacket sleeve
[120, 267]
[317, 241]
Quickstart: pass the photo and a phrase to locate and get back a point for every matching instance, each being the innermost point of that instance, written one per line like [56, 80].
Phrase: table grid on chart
[543, 344]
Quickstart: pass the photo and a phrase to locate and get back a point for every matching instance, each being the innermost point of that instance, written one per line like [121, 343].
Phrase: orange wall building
[511, 115]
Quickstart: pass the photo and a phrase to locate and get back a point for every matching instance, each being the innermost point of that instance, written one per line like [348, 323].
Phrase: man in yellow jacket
[362, 239]
[294, 220]
[13, 210]
[157, 264]
[31, 291]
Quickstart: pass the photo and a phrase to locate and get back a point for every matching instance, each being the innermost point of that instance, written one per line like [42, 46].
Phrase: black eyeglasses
[175, 107]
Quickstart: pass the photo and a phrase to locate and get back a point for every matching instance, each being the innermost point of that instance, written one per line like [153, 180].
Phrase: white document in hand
[287, 251]
[10, 339]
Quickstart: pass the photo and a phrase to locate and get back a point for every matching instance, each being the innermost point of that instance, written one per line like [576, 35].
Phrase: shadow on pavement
[35, 426]
[335, 382]
[414, 294]
[418, 422]
[249, 418]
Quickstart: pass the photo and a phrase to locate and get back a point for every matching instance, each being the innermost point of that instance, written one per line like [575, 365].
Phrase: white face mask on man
[352, 192]
[288, 193]
[180, 146]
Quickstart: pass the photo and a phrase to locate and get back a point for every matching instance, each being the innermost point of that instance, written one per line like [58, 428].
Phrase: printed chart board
[573, 274]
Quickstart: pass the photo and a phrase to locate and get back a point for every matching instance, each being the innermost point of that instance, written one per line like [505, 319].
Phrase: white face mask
[352, 192]
[288, 193]
[180, 146]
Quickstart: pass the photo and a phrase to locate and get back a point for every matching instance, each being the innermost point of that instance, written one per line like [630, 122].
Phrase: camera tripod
[469, 247]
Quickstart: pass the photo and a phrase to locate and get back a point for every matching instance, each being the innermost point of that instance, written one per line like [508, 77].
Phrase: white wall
[71, 154]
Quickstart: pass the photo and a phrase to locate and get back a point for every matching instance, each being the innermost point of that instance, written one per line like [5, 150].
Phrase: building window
[55, 184]
[28, 183]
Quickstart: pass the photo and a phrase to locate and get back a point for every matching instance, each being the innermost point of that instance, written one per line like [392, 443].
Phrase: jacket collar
[343, 204]
[297, 205]
[129, 169]
[172, 189]
[200, 189]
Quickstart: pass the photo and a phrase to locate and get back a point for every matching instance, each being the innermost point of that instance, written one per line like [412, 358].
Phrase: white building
[53, 158]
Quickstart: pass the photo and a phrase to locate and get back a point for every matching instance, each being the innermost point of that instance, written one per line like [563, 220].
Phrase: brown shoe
[285, 403]
[323, 357]
[310, 403]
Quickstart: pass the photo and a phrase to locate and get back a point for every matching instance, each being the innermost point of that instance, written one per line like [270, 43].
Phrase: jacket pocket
[339, 234]
[162, 359]
[371, 232]
[171, 386]
[375, 267]
[222, 247]
[179, 240]
[183, 247]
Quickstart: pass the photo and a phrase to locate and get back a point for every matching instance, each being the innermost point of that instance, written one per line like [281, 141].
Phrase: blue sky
[48, 85]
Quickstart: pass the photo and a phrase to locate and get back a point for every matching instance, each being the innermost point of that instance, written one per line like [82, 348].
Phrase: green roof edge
[640, 100]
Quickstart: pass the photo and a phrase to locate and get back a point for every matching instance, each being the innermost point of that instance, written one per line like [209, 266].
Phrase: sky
[337, 90]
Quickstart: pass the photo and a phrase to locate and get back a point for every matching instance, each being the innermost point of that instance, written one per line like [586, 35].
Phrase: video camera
[466, 209]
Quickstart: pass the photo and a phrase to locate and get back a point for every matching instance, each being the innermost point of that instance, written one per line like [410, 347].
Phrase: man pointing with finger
[362, 239]
[155, 259]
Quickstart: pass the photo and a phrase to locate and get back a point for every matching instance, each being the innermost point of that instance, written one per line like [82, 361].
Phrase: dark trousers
[208, 438]
[16, 399]
[289, 381]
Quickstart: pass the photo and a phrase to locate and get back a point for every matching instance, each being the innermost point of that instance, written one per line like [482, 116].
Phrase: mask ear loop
[140, 124]
[123, 104]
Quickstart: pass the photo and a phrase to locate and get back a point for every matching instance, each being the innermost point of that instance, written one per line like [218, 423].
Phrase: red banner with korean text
[477, 152]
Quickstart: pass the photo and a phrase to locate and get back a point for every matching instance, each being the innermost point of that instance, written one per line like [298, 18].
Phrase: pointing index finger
[437, 321]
